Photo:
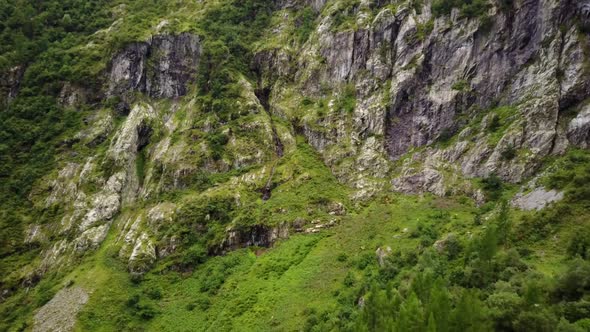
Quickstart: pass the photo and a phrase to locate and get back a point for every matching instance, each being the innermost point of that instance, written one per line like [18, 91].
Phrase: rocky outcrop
[10, 83]
[255, 235]
[143, 255]
[578, 131]
[537, 199]
[419, 79]
[382, 254]
[161, 67]
[392, 100]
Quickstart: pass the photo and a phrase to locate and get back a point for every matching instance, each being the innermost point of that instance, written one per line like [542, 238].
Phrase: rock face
[537, 199]
[160, 67]
[10, 84]
[257, 235]
[420, 79]
[578, 131]
[397, 100]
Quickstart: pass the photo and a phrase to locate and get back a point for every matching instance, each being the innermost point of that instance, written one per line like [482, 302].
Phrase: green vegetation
[424, 29]
[468, 8]
[461, 85]
[344, 16]
[499, 120]
[346, 101]
[488, 281]
[305, 21]
[391, 263]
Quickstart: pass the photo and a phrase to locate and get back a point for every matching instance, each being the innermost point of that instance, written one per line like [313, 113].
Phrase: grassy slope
[260, 289]
[276, 289]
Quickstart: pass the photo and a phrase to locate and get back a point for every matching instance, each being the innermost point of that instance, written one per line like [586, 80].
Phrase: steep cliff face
[420, 79]
[161, 67]
[391, 96]
[406, 101]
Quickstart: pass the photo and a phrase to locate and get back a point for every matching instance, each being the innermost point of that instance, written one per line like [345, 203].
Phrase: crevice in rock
[144, 133]
[267, 190]
[263, 95]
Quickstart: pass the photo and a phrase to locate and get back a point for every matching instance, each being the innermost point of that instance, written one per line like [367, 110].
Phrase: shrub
[349, 280]
[305, 24]
[461, 85]
[579, 245]
[493, 186]
[575, 282]
[494, 124]
[468, 8]
[508, 153]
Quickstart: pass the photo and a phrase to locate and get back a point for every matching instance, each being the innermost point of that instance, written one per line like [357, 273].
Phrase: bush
[508, 153]
[494, 124]
[349, 280]
[305, 24]
[575, 283]
[468, 8]
[580, 244]
[539, 319]
[493, 186]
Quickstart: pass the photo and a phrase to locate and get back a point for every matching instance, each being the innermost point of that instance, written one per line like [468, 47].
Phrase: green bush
[468, 8]
[579, 245]
[575, 283]
[305, 23]
[492, 186]
[508, 153]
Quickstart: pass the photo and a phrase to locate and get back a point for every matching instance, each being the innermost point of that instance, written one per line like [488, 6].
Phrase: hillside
[295, 165]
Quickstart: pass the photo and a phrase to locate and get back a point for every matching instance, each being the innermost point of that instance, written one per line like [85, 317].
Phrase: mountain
[250, 165]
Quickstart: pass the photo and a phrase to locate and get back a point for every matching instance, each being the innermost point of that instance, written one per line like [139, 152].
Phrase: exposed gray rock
[10, 84]
[442, 245]
[143, 255]
[160, 67]
[256, 235]
[578, 132]
[72, 96]
[59, 314]
[101, 126]
[382, 254]
[91, 238]
[426, 180]
[458, 69]
[537, 199]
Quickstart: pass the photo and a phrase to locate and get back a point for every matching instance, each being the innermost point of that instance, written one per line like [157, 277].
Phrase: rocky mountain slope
[190, 140]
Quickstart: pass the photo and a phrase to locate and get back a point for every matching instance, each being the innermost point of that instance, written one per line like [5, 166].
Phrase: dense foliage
[37, 38]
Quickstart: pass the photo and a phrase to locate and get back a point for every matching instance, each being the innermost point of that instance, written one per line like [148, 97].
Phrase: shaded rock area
[256, 235]
[10, 84]
[578, 131]
[161, 67]
[59, 314]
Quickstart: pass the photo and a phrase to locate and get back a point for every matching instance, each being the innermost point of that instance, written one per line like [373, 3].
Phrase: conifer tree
[411, 315]
[440, 305]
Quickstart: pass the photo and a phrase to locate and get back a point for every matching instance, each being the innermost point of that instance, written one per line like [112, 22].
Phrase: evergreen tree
[504, 223]
[431, 327]
[439, 305]
[411, 315]
[469, 314]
